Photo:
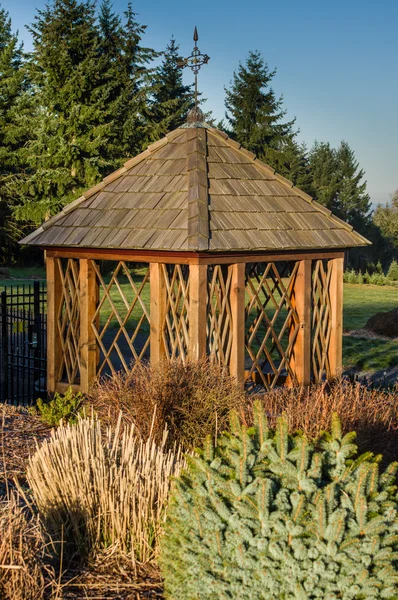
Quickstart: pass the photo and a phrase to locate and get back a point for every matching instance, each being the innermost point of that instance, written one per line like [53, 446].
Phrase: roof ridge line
[326, 211]
[198, 190]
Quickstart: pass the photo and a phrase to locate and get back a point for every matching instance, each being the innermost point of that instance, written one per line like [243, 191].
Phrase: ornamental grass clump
[270, 515]
[107, 489]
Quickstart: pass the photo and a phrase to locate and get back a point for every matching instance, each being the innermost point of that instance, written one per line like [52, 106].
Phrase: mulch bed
[19, 433]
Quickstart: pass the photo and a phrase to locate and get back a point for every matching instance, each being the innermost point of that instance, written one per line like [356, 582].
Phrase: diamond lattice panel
[219, 320]
[176, 326]
[68, 321]
[321, 319]
[121, 322]
[272, 323]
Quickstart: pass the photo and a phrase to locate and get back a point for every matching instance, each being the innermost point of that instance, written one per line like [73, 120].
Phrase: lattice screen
[176, 326]
[321, 319]
[121, 322]
[68, 321]
[272, 322]
[219, 320]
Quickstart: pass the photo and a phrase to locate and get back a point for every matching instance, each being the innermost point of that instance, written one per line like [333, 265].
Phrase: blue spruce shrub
[273, 516]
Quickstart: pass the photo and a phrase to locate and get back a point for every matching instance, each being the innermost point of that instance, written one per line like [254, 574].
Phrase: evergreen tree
[336, 183]
[386, 219]
[172, 99]
[296, 165]
[69, 149]
[323, 166]
[129, 80]
[15, 122]
[255, 115]
[352, 199]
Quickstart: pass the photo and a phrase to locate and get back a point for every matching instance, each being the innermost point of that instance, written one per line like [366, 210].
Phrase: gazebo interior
[195, 248]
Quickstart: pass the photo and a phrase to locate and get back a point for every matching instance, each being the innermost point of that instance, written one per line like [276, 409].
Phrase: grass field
[360, 303]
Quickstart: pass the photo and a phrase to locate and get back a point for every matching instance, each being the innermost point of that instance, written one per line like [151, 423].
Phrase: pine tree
[255, 115]
[15, 123]
[296, 165]
[172, 99]
[129, 80]
[386, 219]
[269, 515]
[68, 150]
[324, 169]
[352, 199]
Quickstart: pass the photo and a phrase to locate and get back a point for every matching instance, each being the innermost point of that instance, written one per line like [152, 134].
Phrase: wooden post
[336, 304]
[88, 306]
[197, 311]
[237, 364]
[300, 361]
[157, 311]
[54, 300]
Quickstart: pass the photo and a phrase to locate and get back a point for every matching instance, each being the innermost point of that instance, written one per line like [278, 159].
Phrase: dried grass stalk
[373, 414]
[104, 488]
[23, 572]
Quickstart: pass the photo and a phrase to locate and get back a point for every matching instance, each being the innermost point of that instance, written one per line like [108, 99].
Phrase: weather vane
[194, 62]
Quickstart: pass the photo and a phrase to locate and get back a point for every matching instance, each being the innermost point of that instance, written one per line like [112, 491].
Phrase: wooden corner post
[54, 301]
[88, 306]
[157, 311]
[197, 311]
[237, 364]
[336, 305]
[300, 361]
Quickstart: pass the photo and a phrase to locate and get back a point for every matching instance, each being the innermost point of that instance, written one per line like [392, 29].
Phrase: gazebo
[212, 253]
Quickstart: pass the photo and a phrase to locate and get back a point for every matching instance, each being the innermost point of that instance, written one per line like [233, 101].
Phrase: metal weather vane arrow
[194, 62]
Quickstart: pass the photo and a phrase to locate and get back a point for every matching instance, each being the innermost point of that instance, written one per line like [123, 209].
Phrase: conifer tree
[353, 200]
[172, 99]
[68, 150]
[255, 115]
[324, 169]
[15, 123]
[129, 80]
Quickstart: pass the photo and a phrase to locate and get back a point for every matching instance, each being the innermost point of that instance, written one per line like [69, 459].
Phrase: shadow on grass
[370, 354]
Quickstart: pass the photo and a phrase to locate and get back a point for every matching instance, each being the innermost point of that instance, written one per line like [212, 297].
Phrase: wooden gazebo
[212, 253]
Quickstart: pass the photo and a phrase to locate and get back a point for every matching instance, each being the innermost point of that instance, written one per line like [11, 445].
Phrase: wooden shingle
[196, 190]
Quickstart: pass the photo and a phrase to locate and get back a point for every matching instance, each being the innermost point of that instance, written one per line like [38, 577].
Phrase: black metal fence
[23, 343]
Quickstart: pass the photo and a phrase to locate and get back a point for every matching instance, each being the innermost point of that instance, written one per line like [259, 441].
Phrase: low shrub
[24, 570]
[265, 514]
[373, 414]
[192, 400]
[103, 489]
[392, 273]
[63, 407]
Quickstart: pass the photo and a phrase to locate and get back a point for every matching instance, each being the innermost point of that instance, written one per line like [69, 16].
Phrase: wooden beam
[300, 360]
[237, 300]
[197, 311]
[54, 300]
[336, 303]
[157, 312]
[88, 306]
[187, 257]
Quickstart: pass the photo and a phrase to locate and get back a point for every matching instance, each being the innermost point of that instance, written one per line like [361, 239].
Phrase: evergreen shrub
[393, 271]
[63, 407]
[266, 514]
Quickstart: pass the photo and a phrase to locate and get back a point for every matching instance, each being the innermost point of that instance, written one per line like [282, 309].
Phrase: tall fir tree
[353, 199]
[254, 113]
[69, 149]
[171, 99]
[337, 183]
[129, 79]
[15, 123]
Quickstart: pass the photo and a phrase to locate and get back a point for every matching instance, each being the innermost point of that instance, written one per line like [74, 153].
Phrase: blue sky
[336, 64]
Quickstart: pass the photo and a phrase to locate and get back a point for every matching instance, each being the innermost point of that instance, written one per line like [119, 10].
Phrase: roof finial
[194, 62]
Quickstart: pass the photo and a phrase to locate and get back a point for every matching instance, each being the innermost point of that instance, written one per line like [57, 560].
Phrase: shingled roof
[196, 190]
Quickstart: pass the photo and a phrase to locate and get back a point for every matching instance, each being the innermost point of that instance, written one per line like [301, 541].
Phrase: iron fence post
[4, 347]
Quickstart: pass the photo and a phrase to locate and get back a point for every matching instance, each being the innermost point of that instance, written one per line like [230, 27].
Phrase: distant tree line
[88, 97]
